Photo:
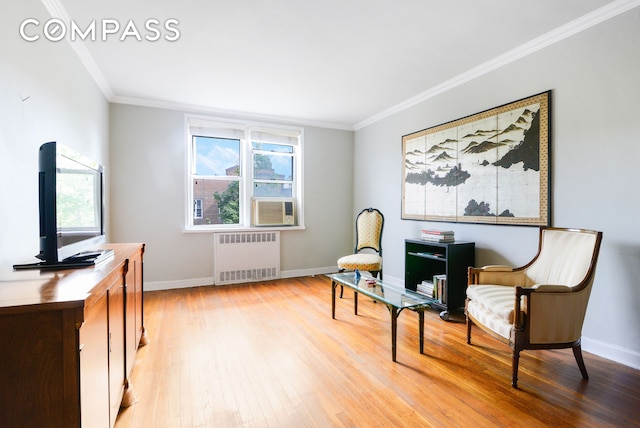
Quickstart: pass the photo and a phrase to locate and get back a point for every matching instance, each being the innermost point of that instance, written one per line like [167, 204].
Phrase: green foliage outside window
[229, 204]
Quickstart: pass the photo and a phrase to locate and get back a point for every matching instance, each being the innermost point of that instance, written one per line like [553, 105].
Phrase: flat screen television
[71, 209]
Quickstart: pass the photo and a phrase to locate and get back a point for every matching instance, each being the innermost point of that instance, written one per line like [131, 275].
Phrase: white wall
[595, 152]
[45, 95]
[148, 151]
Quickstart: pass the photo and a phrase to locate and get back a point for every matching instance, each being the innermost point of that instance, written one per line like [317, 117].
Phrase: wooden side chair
[367, 254]
[541, 305]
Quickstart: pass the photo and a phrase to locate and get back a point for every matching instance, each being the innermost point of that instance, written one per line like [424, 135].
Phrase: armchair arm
[552, 288]
[554, 313]
[495, 275]
[519, 321]
[495, 268]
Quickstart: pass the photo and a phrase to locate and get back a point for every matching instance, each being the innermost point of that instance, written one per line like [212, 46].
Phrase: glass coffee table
[395, 298]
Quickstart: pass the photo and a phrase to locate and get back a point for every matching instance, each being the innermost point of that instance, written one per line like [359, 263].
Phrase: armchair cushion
[493, 306]
[362, 261]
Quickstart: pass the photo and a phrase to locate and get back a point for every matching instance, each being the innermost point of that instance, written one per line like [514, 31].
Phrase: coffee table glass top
[389, 294]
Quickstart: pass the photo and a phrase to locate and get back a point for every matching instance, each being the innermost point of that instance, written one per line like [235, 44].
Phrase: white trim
[611, 352]
[235, 228]
[307, 272]
[200, 282]
[571, 28]
[231, 114]
[613, 9]
[57, 10]
[180, 283]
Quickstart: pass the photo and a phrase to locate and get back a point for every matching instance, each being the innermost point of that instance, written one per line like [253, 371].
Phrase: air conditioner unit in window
[273, 212]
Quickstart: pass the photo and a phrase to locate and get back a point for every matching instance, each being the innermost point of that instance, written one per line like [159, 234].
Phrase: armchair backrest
[565, 257]
[369, 224]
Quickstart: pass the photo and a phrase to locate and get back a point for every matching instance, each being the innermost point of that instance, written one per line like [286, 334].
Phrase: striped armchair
[541, 305]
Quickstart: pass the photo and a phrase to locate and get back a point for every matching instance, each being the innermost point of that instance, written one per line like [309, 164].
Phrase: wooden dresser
[68, 339]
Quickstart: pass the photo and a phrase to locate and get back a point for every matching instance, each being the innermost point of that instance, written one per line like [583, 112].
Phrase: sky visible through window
[215, 155]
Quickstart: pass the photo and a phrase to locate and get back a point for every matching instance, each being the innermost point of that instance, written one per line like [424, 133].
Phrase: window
[233, 165]
[197, 209]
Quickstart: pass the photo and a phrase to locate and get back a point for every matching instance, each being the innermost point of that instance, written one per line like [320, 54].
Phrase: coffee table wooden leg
[333, 299]
[394, 330]
[355, 302]
[421, 328]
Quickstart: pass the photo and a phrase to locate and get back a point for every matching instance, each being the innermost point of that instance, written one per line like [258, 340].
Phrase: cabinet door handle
[109, 341]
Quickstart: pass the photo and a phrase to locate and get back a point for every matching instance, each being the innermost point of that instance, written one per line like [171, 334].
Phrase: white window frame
[249, 132]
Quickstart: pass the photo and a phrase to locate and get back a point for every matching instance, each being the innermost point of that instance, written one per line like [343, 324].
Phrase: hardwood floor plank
[269, 354]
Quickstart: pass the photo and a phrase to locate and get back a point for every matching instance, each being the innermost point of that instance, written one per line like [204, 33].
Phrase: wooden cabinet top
[36, 290]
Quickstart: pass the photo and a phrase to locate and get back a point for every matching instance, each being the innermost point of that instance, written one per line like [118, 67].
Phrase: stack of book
[437, 235]
[440, 288]
[436, 289]
[426, 288]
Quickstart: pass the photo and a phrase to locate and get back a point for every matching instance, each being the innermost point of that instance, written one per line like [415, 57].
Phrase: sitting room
[236, 155]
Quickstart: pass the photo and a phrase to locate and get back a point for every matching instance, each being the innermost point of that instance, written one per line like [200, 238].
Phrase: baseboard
[612, 352]
[308, 272]
[199, 282]
[181, 283]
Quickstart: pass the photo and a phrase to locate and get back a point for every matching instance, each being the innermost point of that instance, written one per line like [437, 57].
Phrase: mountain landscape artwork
[491, 167]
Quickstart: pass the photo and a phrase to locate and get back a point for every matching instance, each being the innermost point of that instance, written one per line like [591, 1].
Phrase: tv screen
[78, 198]
[71, 208]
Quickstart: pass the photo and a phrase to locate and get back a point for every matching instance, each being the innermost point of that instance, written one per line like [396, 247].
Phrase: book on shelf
[437, 239]
[440, 288]
[437, 232]
[437, 235]
[426, 288]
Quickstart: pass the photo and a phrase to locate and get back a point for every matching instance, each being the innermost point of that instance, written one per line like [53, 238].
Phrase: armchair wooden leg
[577, 352]
[469, 331]
[514, 374]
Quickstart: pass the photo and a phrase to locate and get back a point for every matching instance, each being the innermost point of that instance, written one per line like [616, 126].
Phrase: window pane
[220, 201]
[217, 156]
[270, 147]
[272, 167]
[263, 190]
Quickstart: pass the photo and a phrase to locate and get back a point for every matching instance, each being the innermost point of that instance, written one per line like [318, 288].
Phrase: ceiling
[337, 63]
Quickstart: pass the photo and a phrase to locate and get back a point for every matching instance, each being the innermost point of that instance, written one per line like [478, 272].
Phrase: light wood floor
[269, 355]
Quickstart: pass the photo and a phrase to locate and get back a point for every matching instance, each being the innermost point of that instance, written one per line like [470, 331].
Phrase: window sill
[241, 229]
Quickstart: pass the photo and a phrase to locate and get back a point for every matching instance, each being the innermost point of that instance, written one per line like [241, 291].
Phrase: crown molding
[57, 10]
[578, 25]
[193, 108]
[611, 10]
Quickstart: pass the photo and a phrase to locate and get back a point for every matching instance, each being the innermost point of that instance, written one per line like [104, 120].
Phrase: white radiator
[246, 257]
